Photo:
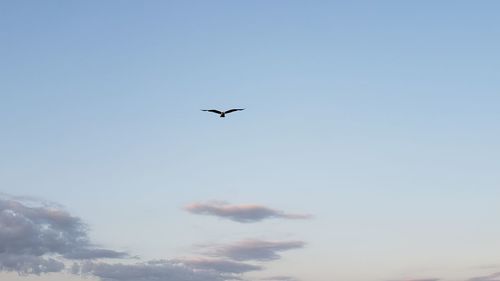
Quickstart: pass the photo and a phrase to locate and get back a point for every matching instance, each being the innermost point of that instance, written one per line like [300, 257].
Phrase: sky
[368, 150]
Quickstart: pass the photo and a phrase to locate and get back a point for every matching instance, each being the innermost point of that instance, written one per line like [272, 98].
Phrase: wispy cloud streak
[280, 278]
[219, 265]
[148, 271]
[244, 213]
[491, 277]
[258, 250]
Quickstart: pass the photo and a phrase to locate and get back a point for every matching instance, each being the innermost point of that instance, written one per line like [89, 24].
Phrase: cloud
[82, 253]
[422, 279]
[280, 278]
[150, 271]
[491, 277]
[240, 213]
[38, 237]
[258, 250]
[489, 266]
[29, 264]
[33, 234]
[219, 265]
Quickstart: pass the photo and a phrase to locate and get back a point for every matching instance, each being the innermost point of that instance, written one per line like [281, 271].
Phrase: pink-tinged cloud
[244, 213]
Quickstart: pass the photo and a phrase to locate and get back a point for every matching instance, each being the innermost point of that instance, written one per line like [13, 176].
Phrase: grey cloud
[81, 254]
[422, 279]
[29, 264]
[37, 230]
[491, 277]
[240, 213]
[219, 265]
[489, 266]
[32, 234]
[259, 250]
[280, 278]
[38, 237]
[150, 271]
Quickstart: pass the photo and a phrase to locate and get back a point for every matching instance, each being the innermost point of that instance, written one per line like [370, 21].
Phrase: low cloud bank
[147, 271]
[39, 237]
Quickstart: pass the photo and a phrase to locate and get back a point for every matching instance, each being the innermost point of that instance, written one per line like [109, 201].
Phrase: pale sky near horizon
[379, 119]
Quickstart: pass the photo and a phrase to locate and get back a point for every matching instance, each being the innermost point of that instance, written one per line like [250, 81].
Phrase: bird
[223, 113]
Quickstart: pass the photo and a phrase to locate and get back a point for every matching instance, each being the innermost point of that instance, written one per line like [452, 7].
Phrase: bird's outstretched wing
[233, 110]
[212, 110]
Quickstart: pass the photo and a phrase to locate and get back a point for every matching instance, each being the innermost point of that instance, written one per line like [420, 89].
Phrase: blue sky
[378, 118]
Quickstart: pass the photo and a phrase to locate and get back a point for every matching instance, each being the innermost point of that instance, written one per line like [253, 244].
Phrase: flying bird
[223, 113]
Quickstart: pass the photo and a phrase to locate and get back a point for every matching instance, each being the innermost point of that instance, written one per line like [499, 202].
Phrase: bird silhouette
[223, 113]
